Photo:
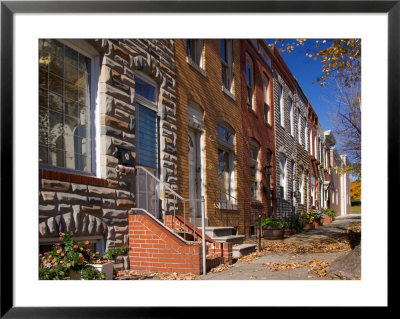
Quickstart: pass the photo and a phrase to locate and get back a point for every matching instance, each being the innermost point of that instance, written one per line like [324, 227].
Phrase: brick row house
[140, 138]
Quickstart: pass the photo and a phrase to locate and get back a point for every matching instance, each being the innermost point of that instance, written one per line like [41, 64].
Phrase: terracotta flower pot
[308, 226]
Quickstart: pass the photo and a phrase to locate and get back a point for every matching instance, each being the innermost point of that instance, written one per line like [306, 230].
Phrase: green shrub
[330, 212]
[295, 222]
[90, 273]
[114, 252]
[273, 222]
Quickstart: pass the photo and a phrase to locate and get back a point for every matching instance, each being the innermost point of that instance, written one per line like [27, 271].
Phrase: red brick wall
[153, 248]
[254, 126]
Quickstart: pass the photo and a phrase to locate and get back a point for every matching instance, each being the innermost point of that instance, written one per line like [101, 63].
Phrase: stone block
[92, 210]
[71, 198]
[64, 208]
[114, 213]
[79, 188]
[101, 191]
[53, 185]
[125, 203]
[48, 197]
[109, 203]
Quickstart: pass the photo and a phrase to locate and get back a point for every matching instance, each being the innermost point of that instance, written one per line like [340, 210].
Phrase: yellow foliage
[355, 190]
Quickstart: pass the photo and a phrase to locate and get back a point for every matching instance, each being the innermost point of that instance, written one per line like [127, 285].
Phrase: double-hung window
[283, 186]
[267, 109]
[194, 51]
[249, 80]
[312, 191]
[281, 105]
[66, 105]
[226, 160]
[146, 141]
[254, 150]
[305, 133]
[226, 61]
[291, 117]
[301, 185]
[299, 126]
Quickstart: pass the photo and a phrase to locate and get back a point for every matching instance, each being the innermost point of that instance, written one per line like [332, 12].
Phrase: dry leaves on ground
[315, 266]
[220, 268]
[133, 275]
[176, 276]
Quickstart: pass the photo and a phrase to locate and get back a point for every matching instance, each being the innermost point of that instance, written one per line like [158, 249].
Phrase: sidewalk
[258, 270]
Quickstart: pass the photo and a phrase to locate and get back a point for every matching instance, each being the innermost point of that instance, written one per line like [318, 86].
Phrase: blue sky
[306, 70]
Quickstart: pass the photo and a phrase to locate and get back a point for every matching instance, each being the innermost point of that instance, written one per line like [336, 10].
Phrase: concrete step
[219, 231]
[243, 250]
[234, 239]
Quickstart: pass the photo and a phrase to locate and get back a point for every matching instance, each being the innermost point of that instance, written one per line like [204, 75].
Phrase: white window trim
[291, 118]
[281, 106]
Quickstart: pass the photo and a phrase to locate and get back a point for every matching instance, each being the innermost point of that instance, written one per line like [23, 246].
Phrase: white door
[194, 172]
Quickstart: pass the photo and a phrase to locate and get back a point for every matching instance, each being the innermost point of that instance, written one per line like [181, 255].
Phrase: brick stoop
[154, 246]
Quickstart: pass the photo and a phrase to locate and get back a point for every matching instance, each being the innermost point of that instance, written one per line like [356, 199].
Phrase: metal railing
[159, 199]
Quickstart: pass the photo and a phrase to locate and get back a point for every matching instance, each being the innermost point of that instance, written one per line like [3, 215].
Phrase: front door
[194, 172]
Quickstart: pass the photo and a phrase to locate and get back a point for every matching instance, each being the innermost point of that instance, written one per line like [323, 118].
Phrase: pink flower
[40, 255]
[58, 244]
[54, 265]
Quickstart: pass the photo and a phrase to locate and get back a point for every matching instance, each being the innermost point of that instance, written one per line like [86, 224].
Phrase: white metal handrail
[175, 196]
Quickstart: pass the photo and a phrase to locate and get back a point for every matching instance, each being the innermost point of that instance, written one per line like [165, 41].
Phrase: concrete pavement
[257, 270]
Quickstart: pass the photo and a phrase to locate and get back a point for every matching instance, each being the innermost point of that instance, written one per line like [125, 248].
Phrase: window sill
[196, 66]
[229, 93]
[226, 206]
[72, 177]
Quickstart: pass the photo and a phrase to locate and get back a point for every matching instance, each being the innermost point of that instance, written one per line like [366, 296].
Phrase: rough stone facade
[302, 156]
[256, 127]
[202, 87]
[98, 205]
[285, 142]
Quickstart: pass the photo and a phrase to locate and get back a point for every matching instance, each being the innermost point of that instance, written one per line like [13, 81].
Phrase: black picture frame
[9, 8]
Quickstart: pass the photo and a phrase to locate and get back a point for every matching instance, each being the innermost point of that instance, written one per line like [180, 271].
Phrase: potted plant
[318, 216]
[67, 260]
[273, 228]
[295, 223]
[308, 220]
[106, 263]
[330, 213]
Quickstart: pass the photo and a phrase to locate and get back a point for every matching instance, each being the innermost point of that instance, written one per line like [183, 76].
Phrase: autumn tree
[340, 58]
[355, 190]
[347, 125]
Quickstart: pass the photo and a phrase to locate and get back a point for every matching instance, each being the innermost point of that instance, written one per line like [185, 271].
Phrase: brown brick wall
[205, 90]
